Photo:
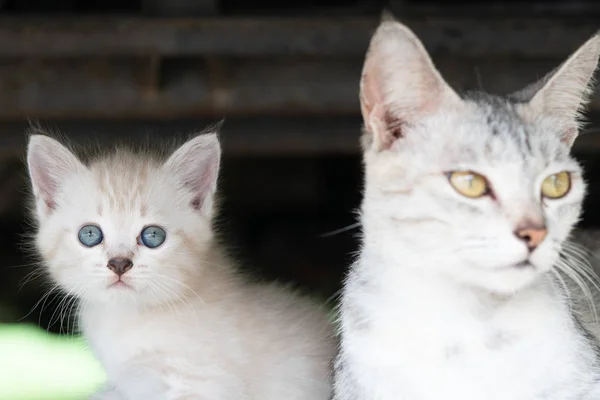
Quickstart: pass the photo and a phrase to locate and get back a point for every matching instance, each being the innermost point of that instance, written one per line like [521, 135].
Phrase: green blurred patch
[36, 365]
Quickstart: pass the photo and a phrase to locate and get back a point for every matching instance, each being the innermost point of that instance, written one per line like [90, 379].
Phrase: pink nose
[532, 235]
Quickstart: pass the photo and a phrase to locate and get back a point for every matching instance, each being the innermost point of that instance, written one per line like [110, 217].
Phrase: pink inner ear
[47, 187]
[48, 199]
[375, 112]
[569, 136]
[393, 126]
[399, 85]
[50, 163]
[386, 106]
[388, 126]
[196, 204]
[196, 166]
[45, 173]
[202, 186]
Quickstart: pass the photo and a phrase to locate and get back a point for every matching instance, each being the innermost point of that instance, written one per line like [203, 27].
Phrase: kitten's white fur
[435, 307]
[188, 327]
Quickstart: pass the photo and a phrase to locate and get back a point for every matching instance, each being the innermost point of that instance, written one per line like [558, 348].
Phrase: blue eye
[90, 235]
[153, 236]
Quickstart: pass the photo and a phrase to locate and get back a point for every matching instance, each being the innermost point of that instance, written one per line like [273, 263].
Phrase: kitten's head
[482, 187]
[127, 226]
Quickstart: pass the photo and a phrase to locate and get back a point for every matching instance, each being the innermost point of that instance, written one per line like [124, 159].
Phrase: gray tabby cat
[468, 203]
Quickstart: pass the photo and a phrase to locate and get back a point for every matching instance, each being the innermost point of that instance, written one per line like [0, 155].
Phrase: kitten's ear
[399, 84]
[564, 93]
[196, 165]
[49, 163]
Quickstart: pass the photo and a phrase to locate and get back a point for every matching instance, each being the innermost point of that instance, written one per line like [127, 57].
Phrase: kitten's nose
[532, 235]
[120, 265]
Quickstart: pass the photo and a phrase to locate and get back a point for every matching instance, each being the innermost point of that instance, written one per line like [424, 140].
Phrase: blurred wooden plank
[459, 36]
[496, 8]
[97, 88]
[138, 88]
[180, 8]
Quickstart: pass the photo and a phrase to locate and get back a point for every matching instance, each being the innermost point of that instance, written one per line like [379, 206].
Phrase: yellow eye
[557, 185]
[469, 183]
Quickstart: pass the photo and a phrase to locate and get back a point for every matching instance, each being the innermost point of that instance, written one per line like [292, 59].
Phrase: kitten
[163, 309]
[467, 203]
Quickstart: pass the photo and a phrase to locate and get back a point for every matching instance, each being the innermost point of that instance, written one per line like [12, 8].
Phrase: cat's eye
[557, 185]
[468, 183]
[90, 235]
[153, 236]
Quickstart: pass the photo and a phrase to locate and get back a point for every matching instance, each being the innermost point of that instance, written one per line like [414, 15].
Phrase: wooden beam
[180, 8]
[217, 87]
[458, 36]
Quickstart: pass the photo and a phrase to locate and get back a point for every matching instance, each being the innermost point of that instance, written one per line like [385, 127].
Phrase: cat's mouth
[119, 284]
[526, 264]
[523, 265]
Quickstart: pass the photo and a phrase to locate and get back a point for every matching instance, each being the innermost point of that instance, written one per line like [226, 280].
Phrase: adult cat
[468, 201]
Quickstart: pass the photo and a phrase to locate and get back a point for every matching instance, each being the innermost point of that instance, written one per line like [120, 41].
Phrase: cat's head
[127, 226]
[483, 187]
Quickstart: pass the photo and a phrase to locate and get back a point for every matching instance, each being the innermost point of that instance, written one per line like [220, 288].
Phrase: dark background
[284, 75]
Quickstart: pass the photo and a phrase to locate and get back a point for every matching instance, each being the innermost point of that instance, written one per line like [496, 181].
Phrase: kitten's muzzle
[119, 265]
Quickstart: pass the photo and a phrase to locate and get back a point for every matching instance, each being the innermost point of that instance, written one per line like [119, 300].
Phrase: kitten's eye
[90, 235]
[468, 183]
[557, 185]
[153, 236]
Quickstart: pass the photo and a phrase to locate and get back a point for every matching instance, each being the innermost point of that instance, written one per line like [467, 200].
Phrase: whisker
[333, 297]
[184, 300]
[42, 299]
[562, 283]
[30, 276]
[183, 285]
[340, 230]
[27, 265]
[577, 268]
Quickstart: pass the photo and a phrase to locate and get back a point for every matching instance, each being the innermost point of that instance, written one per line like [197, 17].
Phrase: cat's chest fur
[417, 346]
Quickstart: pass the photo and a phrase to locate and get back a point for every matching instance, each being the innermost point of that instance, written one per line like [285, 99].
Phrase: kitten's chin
[133, 293]
[115, 291]
[120, 285]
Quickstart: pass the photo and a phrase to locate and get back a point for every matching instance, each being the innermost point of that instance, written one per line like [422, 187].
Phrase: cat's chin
[506, 280]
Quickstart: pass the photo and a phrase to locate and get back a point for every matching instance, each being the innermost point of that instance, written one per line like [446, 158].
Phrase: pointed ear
[399, 84]
[196, 165]
[49, 163]
[564, 93]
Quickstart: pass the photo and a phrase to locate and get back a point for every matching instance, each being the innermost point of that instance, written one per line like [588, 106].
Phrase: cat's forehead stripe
[124, 179]
[503, 122]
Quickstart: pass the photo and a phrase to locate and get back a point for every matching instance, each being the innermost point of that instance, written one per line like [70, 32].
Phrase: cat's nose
[532, 235]
[120, 265]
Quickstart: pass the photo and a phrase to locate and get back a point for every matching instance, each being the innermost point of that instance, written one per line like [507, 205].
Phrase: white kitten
[130, 235]
[466, 207]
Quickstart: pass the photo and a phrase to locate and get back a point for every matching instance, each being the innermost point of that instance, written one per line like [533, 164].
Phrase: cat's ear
[564, 93]
[196, 165]
[49, 163]
[399, 84]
